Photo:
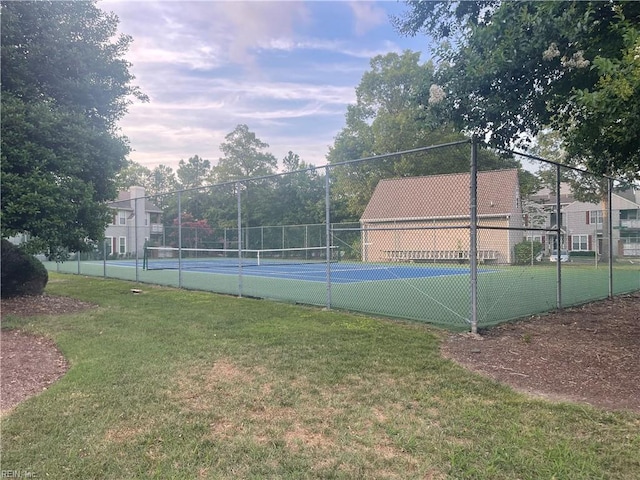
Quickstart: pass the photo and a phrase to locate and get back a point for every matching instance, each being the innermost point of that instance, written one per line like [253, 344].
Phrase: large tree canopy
[510, 69]
[391, 114]
[64, 84]
[243, 156]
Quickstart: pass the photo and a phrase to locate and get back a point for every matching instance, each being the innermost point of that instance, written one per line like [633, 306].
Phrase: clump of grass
[179, 384]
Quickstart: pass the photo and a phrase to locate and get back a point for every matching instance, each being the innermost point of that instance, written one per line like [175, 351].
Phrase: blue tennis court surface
[341, 272]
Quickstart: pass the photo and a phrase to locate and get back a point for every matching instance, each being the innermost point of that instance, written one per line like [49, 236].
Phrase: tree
[392, 113]
[131, 175]
[243, 156]
[193, 173]
[65, 84]
[194, 233]
[300, 193]
[510, 69]
[162, 181]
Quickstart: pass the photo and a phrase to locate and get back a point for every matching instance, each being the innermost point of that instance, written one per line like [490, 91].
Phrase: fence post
[327, 221]
[135, 233]
[473, 234]
[558, 242]
[610, 233]
[239, 194]
[104, 258]
[179, 239]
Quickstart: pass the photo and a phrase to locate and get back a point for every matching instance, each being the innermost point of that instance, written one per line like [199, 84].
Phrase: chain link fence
[452, 235]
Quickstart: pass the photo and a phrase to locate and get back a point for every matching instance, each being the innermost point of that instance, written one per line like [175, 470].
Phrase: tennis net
[160, 258]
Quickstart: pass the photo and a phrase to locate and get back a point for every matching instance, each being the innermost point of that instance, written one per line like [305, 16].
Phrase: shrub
[583, 253]
[526, 251]
[22, 274]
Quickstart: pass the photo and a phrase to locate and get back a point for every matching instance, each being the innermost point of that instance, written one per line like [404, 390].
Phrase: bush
[583, 253]
[524, 250]
[22, 274]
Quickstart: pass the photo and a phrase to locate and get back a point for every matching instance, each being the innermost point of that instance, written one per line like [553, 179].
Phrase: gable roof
[442, 196]
[617, 203]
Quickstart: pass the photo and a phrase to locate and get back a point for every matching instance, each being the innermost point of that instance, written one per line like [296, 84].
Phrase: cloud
[250, 25]
[191, 115]
[367, 16]
[286, 69]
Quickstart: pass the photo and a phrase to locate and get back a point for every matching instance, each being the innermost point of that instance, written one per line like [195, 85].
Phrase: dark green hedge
[22, 274]
[583, 253]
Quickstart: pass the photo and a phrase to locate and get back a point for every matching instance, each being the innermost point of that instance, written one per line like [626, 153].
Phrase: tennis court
[339, 272]
[435, 293]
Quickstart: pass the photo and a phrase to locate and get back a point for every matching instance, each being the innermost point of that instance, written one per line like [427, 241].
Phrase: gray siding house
[135, 221]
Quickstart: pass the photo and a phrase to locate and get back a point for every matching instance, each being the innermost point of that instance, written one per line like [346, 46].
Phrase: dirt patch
[42, 305]
[29, 363]
[586, 354]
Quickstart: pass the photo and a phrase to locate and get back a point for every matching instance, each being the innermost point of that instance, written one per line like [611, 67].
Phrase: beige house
[427, 219]
[135, 220]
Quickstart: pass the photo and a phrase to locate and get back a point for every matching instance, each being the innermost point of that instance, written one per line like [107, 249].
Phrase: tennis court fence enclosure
[455, 235]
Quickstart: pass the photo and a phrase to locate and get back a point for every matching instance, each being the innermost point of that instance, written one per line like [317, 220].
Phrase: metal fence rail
[449, 234]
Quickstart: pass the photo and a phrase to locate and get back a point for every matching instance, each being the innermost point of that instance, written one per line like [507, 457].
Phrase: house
[539, 212]
[135, 221]
[583, 223]
[427, 219]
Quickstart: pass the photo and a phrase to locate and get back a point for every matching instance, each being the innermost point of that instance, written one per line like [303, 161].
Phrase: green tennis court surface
[437, 294]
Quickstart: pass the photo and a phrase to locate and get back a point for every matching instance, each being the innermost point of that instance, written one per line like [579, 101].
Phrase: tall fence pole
[610, 233]
[180, 239]
[473, 235]
[135, 234]
[558, 242]
[239, 194]
[327, 221]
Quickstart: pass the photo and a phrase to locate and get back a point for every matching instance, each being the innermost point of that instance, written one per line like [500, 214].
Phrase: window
[122, 248]
[580, 242]
[553, 218]
[534, 238]
[629, 214]
[122, 217]
[595, 217]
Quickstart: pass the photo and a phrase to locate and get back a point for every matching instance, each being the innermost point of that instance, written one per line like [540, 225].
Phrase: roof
[442, 196]
[123, 202]
[617, 203]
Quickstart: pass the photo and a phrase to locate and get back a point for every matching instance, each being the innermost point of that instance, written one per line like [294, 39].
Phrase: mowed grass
[182, 384]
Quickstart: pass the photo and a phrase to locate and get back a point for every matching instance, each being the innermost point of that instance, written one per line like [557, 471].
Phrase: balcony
[635, 223]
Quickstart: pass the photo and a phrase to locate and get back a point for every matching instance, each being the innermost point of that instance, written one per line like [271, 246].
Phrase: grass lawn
[184, 384]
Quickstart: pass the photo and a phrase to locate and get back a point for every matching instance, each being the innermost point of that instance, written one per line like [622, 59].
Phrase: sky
[285, 69]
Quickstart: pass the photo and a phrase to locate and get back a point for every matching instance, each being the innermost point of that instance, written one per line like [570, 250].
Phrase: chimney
[135, 192]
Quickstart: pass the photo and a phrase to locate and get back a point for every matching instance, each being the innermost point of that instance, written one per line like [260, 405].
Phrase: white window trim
[122, 244]
[595, 217]
[580, 238]
[122, 217]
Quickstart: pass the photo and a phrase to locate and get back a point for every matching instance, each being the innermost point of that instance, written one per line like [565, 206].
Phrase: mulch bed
[588, 354]
[29, 363]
